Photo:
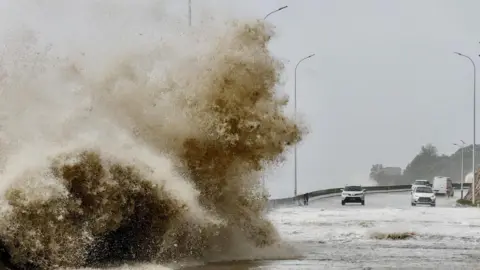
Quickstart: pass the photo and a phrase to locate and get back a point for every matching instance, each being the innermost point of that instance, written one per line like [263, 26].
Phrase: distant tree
[375, 171]
[425, 165]
[429, 150]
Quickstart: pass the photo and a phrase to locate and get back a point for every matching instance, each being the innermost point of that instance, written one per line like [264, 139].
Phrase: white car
[353, 194]
[423, 195]
[420, 183]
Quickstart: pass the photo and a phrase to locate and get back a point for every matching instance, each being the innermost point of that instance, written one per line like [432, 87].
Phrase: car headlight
[433, 197]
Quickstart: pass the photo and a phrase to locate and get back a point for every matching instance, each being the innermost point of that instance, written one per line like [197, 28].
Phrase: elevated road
[399, 200]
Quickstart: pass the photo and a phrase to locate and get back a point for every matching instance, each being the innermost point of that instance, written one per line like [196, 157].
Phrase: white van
[443, 185]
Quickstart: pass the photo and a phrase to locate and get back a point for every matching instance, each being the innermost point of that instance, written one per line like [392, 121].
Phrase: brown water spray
[217, 124]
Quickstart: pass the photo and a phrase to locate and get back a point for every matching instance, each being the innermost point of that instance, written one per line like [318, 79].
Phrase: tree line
[427, 164]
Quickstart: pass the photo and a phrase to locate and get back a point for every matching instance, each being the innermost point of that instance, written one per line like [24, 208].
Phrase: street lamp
[277, 10]
[295, 111]
[189, 12]
[473, 145]
[462, 176]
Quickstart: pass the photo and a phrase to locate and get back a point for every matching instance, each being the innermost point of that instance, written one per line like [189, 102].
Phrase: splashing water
[130, 154]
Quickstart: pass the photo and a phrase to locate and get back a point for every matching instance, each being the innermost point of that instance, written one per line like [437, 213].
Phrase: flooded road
[332, 236]
[328, 235]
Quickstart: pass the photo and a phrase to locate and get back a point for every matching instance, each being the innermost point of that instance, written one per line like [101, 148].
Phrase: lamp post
[462, 176]
[276, 10]
[189, 12]
[474, 105]
[295, 112]
[266, 16]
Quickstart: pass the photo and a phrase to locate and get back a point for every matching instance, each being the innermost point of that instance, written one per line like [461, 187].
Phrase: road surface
[331, 236]
[327, 235]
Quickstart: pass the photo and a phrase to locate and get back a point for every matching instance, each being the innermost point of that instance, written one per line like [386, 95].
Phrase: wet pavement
[331, 236]
[327, 235]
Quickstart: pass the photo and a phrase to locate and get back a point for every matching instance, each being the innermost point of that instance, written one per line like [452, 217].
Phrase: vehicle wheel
[343, 202]
[363, 202]
[413, 204]
[433, 205]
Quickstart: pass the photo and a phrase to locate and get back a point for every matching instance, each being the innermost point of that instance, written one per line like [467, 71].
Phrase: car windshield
[353, 188]
[421, 182]
[423, 190]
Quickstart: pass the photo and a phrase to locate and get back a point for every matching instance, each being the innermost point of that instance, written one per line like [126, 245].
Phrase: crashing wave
[125, 165]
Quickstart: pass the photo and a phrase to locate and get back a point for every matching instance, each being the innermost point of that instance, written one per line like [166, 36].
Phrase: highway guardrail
[324, 193]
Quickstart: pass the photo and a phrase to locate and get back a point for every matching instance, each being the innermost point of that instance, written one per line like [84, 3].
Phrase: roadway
[398, 200]
[327, 235]
[332, 236]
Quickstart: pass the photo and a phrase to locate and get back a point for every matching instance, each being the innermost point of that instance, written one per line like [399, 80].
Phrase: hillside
[427, 164]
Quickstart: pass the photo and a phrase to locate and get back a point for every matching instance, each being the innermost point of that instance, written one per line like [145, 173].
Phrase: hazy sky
[384, 81]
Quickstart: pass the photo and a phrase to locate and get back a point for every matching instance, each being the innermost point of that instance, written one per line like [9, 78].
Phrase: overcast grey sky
[384, 81]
